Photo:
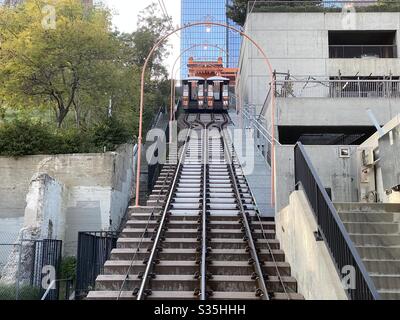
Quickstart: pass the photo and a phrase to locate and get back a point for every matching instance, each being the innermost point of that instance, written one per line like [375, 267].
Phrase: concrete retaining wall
[96, 189]
[309, 259]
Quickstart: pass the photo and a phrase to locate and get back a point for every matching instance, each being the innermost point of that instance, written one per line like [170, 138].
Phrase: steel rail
[203, 261]
[154, 249]
[264, 235]
[265, 238]
[253, 251]
[146, 229]
[203, 269]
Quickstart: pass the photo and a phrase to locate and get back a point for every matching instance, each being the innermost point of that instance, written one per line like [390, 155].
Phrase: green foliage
[8, 292]
[25, 138]
[22, 137]
[109, 134]
[68, 268]
[237, 11]
[70, 73]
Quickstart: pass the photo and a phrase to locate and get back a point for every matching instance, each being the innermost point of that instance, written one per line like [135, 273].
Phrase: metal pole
[18, 271]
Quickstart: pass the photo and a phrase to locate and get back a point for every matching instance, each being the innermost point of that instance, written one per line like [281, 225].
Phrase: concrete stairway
[375, 231]
[231, 275]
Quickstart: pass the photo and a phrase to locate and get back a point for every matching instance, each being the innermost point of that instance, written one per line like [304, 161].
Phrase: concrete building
[330, 68]
[337, 76]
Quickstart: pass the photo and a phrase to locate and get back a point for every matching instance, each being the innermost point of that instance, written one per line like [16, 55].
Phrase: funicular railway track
[201, 236]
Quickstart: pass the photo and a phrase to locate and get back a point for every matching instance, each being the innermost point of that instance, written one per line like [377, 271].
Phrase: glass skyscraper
[210, 42]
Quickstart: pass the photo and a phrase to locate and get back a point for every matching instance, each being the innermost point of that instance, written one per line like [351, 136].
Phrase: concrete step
[190, 283]
[369, 216]
[375, 239]
[143, 210]
[188, 295]
[379, 252]
[195, 217]
[367, 207]
[192, 254]
[386, 281]
[193, 243]
[174, 267]
[372, 227]
[170, 243]
[219, 224]
[240, 254]
[382, 266]
[192, 233]
[389, 294]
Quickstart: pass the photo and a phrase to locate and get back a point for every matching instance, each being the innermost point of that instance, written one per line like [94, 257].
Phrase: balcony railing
[338, 89]
[362, 51]
[322, 6]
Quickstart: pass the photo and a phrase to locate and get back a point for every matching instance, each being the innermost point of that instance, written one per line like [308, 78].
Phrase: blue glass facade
[211, 42]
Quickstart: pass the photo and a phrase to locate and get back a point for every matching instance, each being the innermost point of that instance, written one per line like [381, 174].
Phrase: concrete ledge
[310, 261]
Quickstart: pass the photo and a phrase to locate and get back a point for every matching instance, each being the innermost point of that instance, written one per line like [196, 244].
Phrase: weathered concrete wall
[298, 42]
[97, 189]
[44, 219]
[310, 261]
[339, 174]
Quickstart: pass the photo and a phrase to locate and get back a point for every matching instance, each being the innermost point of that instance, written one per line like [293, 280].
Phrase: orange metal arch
[141, 105]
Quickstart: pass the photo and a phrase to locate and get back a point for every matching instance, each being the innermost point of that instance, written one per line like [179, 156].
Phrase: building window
[362, 44]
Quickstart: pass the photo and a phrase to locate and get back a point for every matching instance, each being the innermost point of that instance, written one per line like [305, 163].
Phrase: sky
[125, 19]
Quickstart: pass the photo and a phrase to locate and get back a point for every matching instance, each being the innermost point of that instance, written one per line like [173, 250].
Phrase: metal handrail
[347, 88]
[260, 275]
[331, 227]
[161, 226]
[260, 127]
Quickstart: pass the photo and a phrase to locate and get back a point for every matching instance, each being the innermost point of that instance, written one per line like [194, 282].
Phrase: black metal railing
[46, 253]
[94, 249]
[331, 228]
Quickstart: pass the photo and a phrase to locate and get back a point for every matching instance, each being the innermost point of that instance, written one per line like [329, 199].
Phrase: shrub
[109, 134]
[22, 137]
[68, 268]
[73, 141]
[8, 292]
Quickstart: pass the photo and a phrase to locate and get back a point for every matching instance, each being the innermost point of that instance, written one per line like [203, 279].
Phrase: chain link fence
[28, 267]
[10, 285]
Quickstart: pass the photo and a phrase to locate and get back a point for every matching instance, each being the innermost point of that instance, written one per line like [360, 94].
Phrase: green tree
[81, 71]
[53, 64]
[237, 10]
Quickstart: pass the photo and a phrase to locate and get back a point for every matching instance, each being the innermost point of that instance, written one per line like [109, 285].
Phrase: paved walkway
[258, 178]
